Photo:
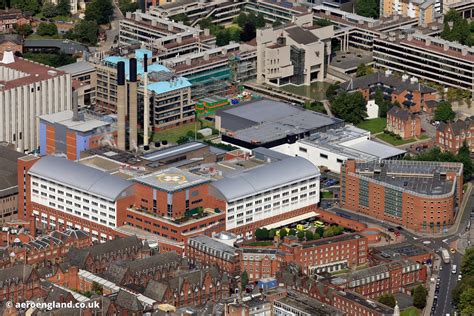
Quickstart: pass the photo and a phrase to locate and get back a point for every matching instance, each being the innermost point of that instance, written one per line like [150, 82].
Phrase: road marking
[447, 294]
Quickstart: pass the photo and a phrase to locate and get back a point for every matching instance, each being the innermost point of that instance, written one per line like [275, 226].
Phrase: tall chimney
[121, 106]
[132, 141]
[75, 106]
[146, 101]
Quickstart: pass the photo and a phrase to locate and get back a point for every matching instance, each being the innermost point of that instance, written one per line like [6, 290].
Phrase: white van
[453, 269]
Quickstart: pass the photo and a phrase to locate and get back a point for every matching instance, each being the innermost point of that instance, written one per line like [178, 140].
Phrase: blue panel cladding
[82, 144]
[42, 138]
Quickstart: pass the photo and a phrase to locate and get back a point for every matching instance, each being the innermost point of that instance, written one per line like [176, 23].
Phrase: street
[448, 280]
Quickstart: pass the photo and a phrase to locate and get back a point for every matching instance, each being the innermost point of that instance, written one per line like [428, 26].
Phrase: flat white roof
[291, 220]
[377, 149]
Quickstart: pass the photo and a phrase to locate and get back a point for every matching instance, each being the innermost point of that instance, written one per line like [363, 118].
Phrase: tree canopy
[100, 11]
[351, 107]
[47, 29]
[463, 293]
[26, 5]
[367, 8]
[419, 296]
[129, 6]
[457, 29]
[84, 32]
[364, 70]
[388, 299]
[63, 7]
[444, 112]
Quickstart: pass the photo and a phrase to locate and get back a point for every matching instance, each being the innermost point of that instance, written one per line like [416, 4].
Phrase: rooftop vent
[8, 57]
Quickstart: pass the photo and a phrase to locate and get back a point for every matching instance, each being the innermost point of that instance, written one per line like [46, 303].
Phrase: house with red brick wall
[408, 92]
[19, 283]
[451, 136]
[403, 123]
[11, 17]
[190, 288]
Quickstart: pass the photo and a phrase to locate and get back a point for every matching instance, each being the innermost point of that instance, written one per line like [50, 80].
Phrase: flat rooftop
[309, 305]
[173, 151]
[351, 60]
[406, 249]
[265, 120]
[362, 300]
[420, 177]
[8, 170]
[76, 68]
[211, 243]
[86, 123]
[172, 179]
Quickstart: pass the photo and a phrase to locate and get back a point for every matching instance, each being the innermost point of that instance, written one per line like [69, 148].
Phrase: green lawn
[173, 134]
[376, 125]
[394, 141]
[326, 195]
[35, 36]
[261, 243]
[423, 136]
[411, 311]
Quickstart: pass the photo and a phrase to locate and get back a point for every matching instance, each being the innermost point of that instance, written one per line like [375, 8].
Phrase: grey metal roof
[377, 149]
[266, 177]
[302, 36]
[65, 46]
[171, 179]
[70, 173]
[265, 153]
[8, 170]
[173, 151]
[77, 68]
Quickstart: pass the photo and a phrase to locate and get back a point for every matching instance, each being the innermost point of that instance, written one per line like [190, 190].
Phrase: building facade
[423, 196]
[29, 89]
[424, 10]
[8, 183]
[452, 135]
[295, 54]
[403, 123]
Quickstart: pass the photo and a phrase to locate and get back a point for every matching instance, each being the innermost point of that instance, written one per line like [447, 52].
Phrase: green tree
[276, 23]
[261, 234]
[248, 32]
[63, 7]
[129, 6]
[241, 19]
[97, 288]
[319, 231]
[300, 234]
[292, 232]
[26, 5]
[331, 91]
[466, 302]
[260, 21]
[49, 10]
[466, 283]
[85, 32]
[364, 70]
[181, 17]
[244, 279]
[222, 37]
[444, 112]
[309, 235]
[271, 234]
[367, 8]
[467, 263]
[323, 22]
[100, 11]
[283, 233]
[351, 107]
[24, 29]
[182, 140]
[464, 156]
[383, 104]
[419, 297]
[47, 29]
[388, 299]
[317, 236]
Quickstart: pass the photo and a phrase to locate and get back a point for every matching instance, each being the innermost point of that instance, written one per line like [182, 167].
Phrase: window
[323, 156]
[304, 150]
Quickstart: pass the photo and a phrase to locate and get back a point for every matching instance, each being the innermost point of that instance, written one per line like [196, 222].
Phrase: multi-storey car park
[422, 196]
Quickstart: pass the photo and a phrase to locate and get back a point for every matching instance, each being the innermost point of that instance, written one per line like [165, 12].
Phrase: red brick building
[11, 42]
[19, 283]
[422, 196]
[408, 92]
[205, 252]
[193, 288]
[392, 277]
[11, 17]
[403, 123]
[323, 255]
[452, 135]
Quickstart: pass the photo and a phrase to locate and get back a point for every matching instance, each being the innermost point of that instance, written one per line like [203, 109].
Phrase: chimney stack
[133, 109]
[121, 106]
[146, 101]
[75, 106]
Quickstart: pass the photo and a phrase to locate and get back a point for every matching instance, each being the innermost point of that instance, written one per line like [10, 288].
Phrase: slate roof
[15, 274]
[302, 36]
[8, 170]
[128, 301]
[378, 78]
[401, 114]
[57, 294]
[458, 127]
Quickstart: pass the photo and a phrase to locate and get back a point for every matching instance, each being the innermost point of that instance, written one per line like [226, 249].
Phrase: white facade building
[333, 147]
[72, 189]
[268, 191]
[28, 90]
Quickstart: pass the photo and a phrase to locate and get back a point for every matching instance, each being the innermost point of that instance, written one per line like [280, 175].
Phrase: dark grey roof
[378, 78]
[431, 103]
[57, 294]
[268, 154]
[266, 177]
[210, 243]
[309, 305]
[302, 36]
[156, 290]
[402, 114]
[8, 170]
[115, 273]
[78, 176]
[17, 39]
[458, 127]
[128, 301]
[15, 274]
[167, 259]
[65, 46]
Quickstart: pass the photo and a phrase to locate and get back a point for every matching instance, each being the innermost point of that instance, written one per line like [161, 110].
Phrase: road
[448, 280]
[114, 30]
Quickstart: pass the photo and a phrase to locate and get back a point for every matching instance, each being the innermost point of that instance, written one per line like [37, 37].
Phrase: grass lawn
[261, 243]
[35, 36]
[326, 195]
[395, 141]
[173, 134]
[375, 125]
[423, 136]
[411, 311]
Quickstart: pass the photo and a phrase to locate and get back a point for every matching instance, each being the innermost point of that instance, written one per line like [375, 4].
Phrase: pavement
[114, 30]
[435, 241]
